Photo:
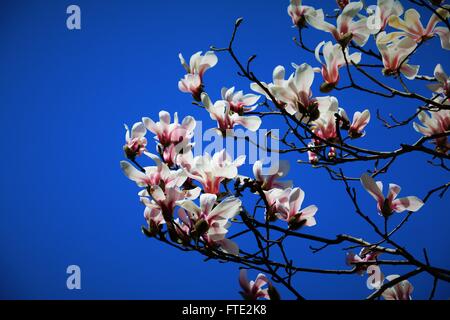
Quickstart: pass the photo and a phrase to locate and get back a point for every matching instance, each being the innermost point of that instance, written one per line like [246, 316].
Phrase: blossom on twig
[193, 81]
[252, 290]
[387, 205]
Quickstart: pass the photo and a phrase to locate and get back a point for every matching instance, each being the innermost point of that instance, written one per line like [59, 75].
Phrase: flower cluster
[195, 200]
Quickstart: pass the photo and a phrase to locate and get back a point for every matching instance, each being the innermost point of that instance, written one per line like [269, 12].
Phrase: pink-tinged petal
[217, 232]
[318, 22]
[304, 77]
[193, 193]
[283, 94]
[252, 123]
[250, 99]
[193, 210]
[243, 280]
[226, 209]
[372, 188]
[183, 215]
[278, 74]
[138, 130]
[164, 117]
[296, 198]
[261, 280]
[308, 214]
[400, 291]
[133, 174]
[440, 74]
[409, 71]
[188, 123]
[410, 203]
[444, 36]
[229, 246]
[150, 125]
[351, 258]
[394, 190]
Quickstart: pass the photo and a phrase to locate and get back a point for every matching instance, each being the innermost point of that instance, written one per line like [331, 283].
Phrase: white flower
[198, 64]
[135, 141]
[297, 95]
[346, 29]
[211, 171]
[387, 205]
[220, 111]
[443, 85]
[334, 60]
[211, 221]
[395, 53]
[239, 102]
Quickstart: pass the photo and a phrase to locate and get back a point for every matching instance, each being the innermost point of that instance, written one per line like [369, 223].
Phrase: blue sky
[64, 97]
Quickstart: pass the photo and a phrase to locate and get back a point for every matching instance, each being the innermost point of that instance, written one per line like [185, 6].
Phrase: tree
[193, 203]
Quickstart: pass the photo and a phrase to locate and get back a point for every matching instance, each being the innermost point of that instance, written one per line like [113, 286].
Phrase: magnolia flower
[155, 220]
[325, 127]
[395, 52]
[298, 12]
[346, 29]
[253, 290]
[357, 260]
[379, 17]
[198, 64]
[173, 137]
[170, 133]
[386, 206]
[220, 111]
[135, 141]
[211, 171]
[435, 122]
[270, 181]
[191, 83]
[239, 102]
[399, 291]
[297, 95]
[388, 9]
[412, 26]
[166, 198]
[360, 121]
[334, 59]
[290, 210]
[209, 221]
[275, 197]
[278, 80]
[154, 175]
[443, 85]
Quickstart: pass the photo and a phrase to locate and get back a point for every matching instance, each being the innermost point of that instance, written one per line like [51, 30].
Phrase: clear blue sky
[64, 97]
